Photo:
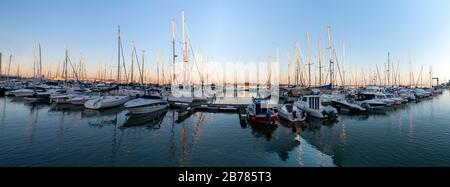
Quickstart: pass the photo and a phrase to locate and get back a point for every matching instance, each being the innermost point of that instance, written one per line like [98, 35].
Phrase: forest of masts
[300, 71]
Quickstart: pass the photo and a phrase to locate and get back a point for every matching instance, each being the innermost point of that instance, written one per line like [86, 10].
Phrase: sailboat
[109, 101]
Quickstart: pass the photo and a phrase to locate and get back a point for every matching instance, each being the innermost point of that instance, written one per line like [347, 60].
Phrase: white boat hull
[81, 100]
[290, 116]
[22, 94]
[106, 102]
[146, 109]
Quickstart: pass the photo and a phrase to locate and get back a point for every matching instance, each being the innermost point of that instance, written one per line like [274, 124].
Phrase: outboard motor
[367, 107]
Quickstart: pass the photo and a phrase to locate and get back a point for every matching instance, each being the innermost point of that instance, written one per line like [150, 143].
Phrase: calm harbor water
[417, 134]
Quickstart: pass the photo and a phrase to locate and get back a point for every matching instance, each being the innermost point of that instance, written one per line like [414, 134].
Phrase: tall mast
[18, 72]
[185, 49]
[342, 65]
[157, 70]
[410, 69]
[296, 64]
[289, 67]
[388, 68]
[65, 66]
[0, 65]
[132, 63]
[309, 59]
[34, 60]
[331, 55]
[40, 62]
[173, 50]
[320, 62]
[431, 74]
[118, 54]
[142, 71]
[9, 65]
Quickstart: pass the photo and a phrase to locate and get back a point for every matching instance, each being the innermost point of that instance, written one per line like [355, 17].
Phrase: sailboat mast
[40, 62]
[342, 65]
[9, 65]
[185, 50]
[388, 68]
[142, 71]
[118, 55]
[309, 59]
[34, 60]
[320, 62]
[65, 66]
[132, 63]
[157, 71]
[410, 69]
[289, 68]
[173, 50]
[0, 65]
[331, 56]
[296, 64]
[431, 74]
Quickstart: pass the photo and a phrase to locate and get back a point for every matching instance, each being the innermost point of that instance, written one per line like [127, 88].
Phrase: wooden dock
[239, 109]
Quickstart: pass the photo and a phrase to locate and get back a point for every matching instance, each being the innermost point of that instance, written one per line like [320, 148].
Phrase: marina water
[416, 134]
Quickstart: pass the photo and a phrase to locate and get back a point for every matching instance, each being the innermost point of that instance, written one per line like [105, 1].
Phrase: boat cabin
[312, 101]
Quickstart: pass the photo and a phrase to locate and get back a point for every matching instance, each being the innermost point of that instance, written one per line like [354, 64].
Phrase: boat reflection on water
[150, 120]
[262, 130]
[282, 139]
[88, 113]
[315, 123]
[65, 108]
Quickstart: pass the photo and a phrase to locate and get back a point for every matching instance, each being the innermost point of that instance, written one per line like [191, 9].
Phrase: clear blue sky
[230, 30]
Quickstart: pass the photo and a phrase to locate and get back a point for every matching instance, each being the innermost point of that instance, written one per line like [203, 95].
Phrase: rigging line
[137, 62]
[73, 68]
[339, 69]
[123, 62]
[193, 52]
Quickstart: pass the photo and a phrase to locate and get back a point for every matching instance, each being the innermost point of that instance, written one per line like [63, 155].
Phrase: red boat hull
[263, 118]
